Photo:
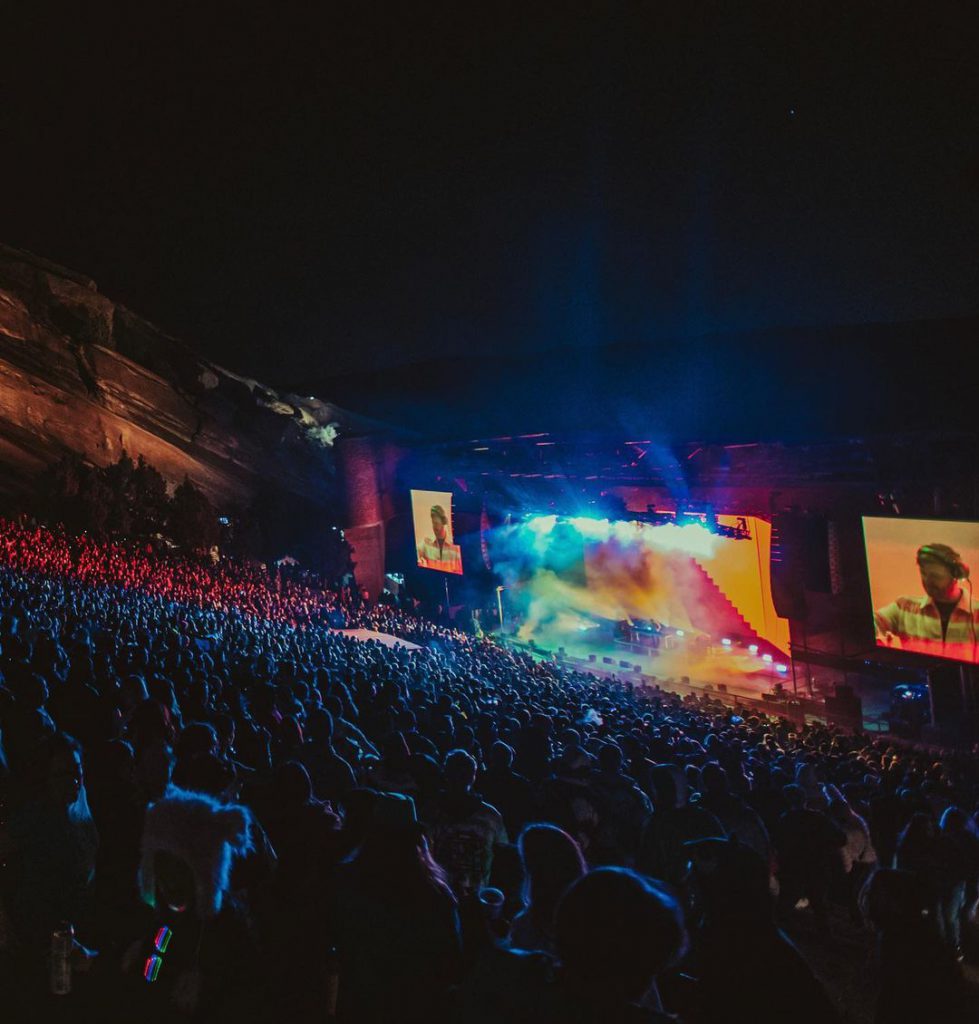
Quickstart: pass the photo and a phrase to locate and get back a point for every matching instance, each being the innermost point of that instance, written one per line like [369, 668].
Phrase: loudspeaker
[788, 590]
[789, 599]
[816, 567]
[800, 561]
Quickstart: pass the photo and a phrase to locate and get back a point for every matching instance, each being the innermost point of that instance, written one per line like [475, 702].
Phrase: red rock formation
[80, 373]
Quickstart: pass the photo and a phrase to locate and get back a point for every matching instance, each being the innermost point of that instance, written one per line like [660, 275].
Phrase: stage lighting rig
[685, 516]
[738, 532]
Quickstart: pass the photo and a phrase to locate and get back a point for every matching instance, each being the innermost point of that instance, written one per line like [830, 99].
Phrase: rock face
[80, 373]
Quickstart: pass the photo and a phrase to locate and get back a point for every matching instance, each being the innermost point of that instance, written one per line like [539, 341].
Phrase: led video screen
[681, 581]
[431, 513]
[920, 586]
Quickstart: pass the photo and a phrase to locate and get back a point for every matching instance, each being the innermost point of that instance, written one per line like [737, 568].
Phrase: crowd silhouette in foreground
[215, 807]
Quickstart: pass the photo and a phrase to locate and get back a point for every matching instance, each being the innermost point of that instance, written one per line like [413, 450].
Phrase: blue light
[767, 657]
[752, 648]
[726, 642]
[781, 668]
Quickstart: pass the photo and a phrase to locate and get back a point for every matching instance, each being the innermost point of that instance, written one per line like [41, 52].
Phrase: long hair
[399, 861]
[552, 861]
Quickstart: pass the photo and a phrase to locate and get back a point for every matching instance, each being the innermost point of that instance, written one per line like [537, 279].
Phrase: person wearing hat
[944, 620]
[197, 945]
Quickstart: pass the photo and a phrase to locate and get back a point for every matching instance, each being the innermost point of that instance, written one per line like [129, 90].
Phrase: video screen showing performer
[920, 585]
[432, 515]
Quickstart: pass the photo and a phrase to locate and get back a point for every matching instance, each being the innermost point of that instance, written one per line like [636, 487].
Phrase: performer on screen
[436, 552]
[941, 622]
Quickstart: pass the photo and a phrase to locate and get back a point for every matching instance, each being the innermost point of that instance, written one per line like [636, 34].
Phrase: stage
[731, 673]
[686, 606]
[730, 665]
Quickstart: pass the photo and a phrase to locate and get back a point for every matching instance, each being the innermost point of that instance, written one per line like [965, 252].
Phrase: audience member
[229, 733]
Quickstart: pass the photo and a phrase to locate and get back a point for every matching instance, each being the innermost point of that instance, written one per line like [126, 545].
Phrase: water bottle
[62, 940]
[331, 971]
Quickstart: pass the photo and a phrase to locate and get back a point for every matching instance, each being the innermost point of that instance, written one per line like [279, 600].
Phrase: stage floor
[743, 675]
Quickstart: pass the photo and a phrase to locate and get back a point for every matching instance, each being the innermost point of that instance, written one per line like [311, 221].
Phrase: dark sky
[310, 190]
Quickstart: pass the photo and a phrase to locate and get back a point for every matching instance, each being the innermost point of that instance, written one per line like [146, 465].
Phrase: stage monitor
[431, 512]
[920, 585]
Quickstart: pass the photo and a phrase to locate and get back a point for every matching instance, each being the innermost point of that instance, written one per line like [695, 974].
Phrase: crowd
[234, 811]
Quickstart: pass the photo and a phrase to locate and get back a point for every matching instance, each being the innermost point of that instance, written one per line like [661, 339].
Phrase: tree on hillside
[148, 500]
[193, 523]
[117, 478]
[58, 492]
[95, 500]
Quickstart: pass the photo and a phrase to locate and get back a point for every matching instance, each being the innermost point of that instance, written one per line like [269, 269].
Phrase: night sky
[315, 190]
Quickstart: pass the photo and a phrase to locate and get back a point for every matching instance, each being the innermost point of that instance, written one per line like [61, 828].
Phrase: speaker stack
[800, 561]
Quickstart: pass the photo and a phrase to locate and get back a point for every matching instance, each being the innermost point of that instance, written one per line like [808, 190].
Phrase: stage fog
[667, 600]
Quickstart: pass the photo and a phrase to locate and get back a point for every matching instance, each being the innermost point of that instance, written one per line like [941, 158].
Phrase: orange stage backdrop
[709, 584]
[741, 569]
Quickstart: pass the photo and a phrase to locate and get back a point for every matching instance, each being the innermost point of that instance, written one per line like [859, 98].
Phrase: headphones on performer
[949, 558]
